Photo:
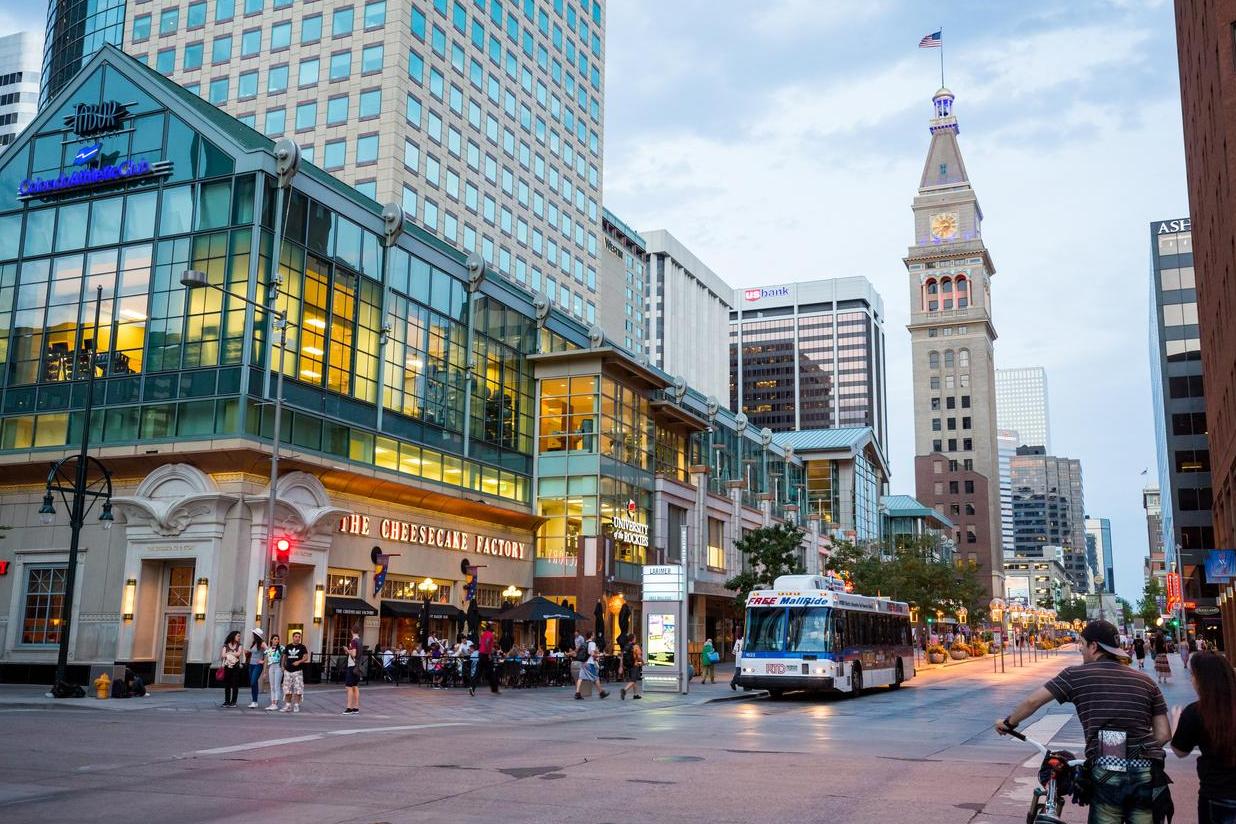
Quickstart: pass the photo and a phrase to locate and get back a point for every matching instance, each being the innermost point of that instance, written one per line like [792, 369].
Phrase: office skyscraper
[622, 284]
[1099, 530]
[1049, 509]
[484, 123]
[77, 29]
[809, 356]
[1021, 405]
[952, 338]
[19, 83]
[1006, 441]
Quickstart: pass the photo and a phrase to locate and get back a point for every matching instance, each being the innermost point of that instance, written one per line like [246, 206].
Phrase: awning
[447, 611]
[401, 609]
[339, 605]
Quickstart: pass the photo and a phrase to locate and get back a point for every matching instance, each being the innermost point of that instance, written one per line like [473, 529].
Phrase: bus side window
[839, 627]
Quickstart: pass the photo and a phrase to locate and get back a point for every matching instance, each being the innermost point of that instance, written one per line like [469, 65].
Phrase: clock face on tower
[944, 225]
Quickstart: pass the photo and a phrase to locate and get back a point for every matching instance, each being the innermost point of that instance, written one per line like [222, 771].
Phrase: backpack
[628, 657]
[581, 653]
[120, 689]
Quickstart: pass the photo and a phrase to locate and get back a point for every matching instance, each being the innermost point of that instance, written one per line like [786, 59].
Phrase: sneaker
[604, 694]
[286, 708]
[579, 697]
[253, 705]
[636, 697]
[471, 690]
[224, 705]
[623, 694]
[272, 708]
[296, 708]
[347, 711]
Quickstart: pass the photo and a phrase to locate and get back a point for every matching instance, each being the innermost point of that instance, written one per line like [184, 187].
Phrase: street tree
[769, 552]
[1073, 609]
[1148, 607]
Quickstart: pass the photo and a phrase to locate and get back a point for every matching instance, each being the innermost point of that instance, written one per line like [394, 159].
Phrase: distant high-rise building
[484, 121]
[19, 83]
[1156, 563]
[623, 282]
[688, 313]
[1006, 441]
[952, 337]
[1100, 531]
[1179, 391]
[1049, 509]
[1021, 405]
[809, 356]
[76, 29]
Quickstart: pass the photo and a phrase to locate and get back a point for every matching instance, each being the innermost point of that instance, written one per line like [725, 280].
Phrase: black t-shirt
[294, 652]
[1216, 780]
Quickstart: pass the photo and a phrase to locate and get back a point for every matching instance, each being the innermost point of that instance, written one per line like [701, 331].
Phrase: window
[309, 70]
[371, 59]
[340, 65]
[165, 61]
[277, 79]
[169, 20]
[195, 15]
[311, 29]
[253, 6]
[276, 122]
[141, 28]
[370, 103]
[247, 86]
[418, 23]
[375, 14]
[281, 36]
[218, 90]
[341, 21]
[1189, 423]
[221, 49]
[969, 487]
[306, 115]
[44, 603]
[416, 66]
[224, 10]
[1186, 386]
[716, 544]
[337, 110]
[251, 43]
[933, 360]
[334, 154]
[192, 57]
[1193, 460]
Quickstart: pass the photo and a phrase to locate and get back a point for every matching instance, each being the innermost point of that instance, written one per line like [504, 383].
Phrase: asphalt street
[924, 753]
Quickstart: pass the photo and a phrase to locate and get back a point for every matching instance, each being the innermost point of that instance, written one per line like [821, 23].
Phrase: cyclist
[1124, 718]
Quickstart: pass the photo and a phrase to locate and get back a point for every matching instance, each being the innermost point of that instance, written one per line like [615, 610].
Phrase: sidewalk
[1009, 656]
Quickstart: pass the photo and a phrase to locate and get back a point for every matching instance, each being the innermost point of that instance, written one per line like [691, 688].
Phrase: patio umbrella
[474, 620]
[508, 636]
[598, 620]
[566, 630]
[538, 609]
[424, 624]
[624, 624]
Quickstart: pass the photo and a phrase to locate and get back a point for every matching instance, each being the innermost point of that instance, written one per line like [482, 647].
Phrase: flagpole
[942, 57]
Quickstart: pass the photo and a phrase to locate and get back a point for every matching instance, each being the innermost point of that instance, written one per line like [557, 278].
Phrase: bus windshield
[765, 630]
[810, 629]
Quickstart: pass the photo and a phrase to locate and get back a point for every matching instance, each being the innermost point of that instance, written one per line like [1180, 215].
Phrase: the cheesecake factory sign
[410, 532]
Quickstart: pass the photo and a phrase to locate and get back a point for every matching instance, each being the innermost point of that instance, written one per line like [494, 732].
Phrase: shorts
[294, 683]
[350, 678]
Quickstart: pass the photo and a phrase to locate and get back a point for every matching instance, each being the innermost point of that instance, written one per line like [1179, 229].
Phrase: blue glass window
[311, 29]
[224, 10]
[251, 43]
[169, 20]
[371, 103]
[253, 6]
[459, 17]
[438, 42]
[416, 66]
[276, 122]
[375, 14]
[371, 59]
[192, 57]
[248, 85]
[411, 155]
[418, 24]
[342, 21]
[436, 83]
[367, 149]
[195, 15]
[141, 28]
[340, 65]
[306, 115]
[337, 110]
[218, 90]
[165, 61]
[277, 79]
[309, 71]
[413, 111]
[334, 154]
[281, 35]
[221, 49]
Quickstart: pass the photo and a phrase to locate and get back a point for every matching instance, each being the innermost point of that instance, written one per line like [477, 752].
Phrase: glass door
[177, 606]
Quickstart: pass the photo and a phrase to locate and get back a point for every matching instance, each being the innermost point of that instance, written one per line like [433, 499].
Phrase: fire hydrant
[103, 686]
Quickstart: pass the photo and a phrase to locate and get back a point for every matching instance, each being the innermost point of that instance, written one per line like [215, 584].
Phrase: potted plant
[959, 651]
[978, 649]
[936, 653]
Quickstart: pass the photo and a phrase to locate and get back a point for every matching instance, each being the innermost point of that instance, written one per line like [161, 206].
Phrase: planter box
[935, 658]
[958, 655]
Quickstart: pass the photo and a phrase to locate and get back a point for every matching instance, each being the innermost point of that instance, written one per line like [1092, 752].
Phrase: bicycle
[1056, 777]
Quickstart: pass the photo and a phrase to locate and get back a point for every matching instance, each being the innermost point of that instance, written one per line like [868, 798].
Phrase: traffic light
[274, 592]
[281, 558]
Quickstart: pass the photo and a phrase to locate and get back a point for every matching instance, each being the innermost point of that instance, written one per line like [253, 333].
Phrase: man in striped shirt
[1124, 718]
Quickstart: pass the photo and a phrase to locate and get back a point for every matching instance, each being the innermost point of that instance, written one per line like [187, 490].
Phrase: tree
[769, 552]
[1126, 611]
[1148, 606]
[1071, 610]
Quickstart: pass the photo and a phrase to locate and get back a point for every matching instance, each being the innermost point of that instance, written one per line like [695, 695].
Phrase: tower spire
[944, 164]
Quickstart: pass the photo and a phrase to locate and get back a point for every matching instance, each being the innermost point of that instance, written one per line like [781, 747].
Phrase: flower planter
[958, 655]
[935, 658]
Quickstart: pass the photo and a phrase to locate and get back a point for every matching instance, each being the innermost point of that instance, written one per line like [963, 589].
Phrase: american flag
[934, 40]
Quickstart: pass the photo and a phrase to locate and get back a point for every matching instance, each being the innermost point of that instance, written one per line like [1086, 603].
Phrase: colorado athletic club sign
[408, 532]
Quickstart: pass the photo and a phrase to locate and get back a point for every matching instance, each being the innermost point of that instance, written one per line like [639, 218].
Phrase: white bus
[807, 633]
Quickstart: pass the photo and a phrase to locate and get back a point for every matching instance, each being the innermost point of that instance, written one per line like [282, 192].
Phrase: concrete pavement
[924, 753]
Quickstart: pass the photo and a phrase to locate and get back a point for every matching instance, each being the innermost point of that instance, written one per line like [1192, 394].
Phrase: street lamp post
[80, 488]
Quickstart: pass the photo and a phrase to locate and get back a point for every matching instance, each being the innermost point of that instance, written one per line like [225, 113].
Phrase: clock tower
[952, 338]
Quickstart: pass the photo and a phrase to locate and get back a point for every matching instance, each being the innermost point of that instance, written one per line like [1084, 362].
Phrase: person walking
[233, 657]
[1162, 665]
[590, 673]
[737, 650]
[1139, 650]
[1209, 724]
[1187, 648]
[632, 669]
[296, 655]
[1124, 719]
[274, 671]
[485, 660]
[351, 676]
[582, 654]
[708, 667]
[257, 663]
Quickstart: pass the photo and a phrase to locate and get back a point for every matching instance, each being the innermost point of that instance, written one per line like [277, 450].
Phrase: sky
[784, 140]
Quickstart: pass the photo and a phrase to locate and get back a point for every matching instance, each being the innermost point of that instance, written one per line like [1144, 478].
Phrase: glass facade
[77, 29]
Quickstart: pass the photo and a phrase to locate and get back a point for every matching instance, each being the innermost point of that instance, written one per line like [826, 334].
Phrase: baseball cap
[1105, 634]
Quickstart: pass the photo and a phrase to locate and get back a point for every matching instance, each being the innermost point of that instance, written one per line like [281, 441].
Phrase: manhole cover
[677, 759]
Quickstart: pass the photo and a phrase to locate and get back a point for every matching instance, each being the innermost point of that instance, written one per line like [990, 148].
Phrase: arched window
[963, 359]
[962, 285]
[946, 286]
[948, 358]
[932, 287]
[933, 360]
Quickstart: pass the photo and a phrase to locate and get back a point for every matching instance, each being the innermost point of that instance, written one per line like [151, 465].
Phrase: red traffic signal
[281, 558]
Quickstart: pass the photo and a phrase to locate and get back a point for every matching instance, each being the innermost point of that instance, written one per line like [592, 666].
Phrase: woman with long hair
[1209, 724]
[232, 657]
[1162, 664]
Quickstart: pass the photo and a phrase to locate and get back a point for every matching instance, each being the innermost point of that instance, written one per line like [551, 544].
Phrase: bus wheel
[775, 695]
[856, 681]
[898, 678]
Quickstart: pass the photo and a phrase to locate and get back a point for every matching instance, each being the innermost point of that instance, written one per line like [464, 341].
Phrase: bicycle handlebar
[1042, 747]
